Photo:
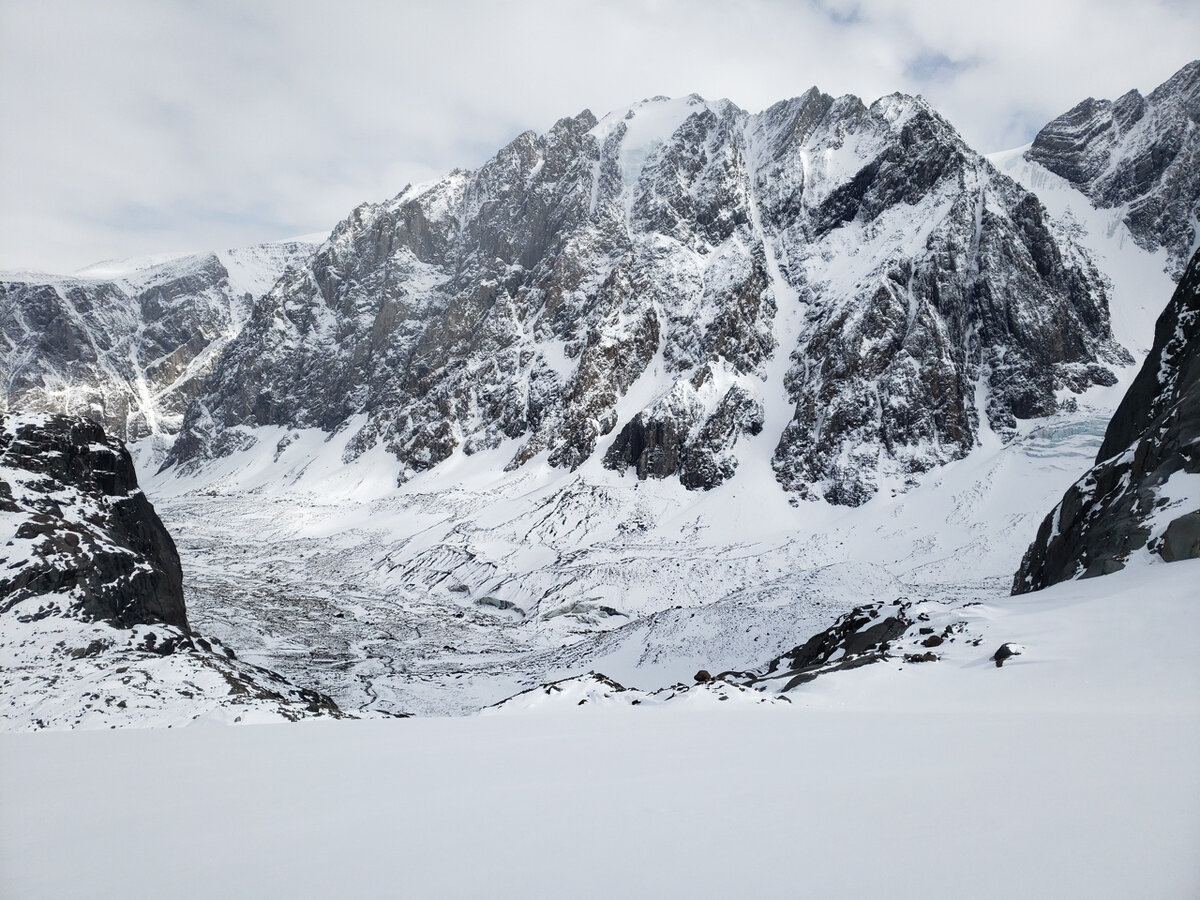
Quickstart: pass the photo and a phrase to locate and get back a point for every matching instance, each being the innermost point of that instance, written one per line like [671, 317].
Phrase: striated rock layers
[1138, 154]
[847, 289]
[1141, 490]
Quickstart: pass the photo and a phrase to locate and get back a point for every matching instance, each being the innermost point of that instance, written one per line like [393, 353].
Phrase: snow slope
[1069, 772]
[468, 584]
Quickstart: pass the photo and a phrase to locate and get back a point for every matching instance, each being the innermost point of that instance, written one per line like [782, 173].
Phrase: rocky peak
[127, 343]
[85, 538]
[1140, 154]
[857, 267]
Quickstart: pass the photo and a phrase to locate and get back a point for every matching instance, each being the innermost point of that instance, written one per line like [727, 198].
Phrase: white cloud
[136, 126]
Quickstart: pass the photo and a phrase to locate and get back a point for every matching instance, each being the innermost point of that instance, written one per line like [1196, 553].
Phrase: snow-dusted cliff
[843, 292]
[127, 343]
[1138, 155]
[1143, 494]
[93, 626]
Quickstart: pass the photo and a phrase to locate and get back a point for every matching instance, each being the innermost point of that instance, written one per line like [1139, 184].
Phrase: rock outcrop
[1139, 492]
[859, 638]
[95, 630]
[849, 285]
[1137, 154]
[86, 538]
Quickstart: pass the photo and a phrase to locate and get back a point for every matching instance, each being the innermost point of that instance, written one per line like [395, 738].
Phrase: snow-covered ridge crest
[127, 343]
[1139, 156]
[855, 270]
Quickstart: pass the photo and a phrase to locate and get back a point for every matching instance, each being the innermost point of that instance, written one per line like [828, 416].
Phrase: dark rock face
[679, 436]
[1142, 153]
[93, 626]
[1154, 435]
[129, 352]
[85, 535]
[859, 268]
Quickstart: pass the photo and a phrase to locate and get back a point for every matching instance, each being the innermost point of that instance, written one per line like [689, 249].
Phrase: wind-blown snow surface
[1069, 772]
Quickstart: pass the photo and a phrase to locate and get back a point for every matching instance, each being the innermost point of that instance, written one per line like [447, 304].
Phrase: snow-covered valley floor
[1069, 772]
[468, 584]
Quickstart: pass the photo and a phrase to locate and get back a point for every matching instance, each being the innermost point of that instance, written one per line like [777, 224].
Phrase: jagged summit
[1138, 154]
[845, 292]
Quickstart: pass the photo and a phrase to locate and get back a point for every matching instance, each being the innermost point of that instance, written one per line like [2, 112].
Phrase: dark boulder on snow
[83, 534]
[1132, 496]
[1005, 651]
[1181, 539]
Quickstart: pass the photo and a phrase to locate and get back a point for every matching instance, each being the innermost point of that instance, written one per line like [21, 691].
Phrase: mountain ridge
[526, 299]
[1137, 154]
[127, 343]
[1140, 491]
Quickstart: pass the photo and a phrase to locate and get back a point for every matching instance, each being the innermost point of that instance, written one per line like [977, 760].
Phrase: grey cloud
[145, 126]
[934, 67]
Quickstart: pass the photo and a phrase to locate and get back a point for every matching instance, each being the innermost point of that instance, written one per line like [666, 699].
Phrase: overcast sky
[141, 127]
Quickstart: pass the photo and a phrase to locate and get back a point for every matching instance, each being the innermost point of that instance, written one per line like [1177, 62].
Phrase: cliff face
[1138, 154]
[1143, 489]
[93, 627]
[843, 290]
[85, 538]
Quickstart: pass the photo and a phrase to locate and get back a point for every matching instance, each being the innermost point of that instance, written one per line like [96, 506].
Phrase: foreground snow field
[770, 803]
[1069, 772]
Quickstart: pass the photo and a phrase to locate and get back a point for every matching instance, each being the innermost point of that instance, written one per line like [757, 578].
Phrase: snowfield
[1069, 772]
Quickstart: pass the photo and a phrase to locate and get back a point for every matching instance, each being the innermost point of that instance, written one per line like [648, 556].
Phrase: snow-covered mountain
[454, 452]
[846, 292]
[718, 435]
[1137, 155]
[127, 343]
